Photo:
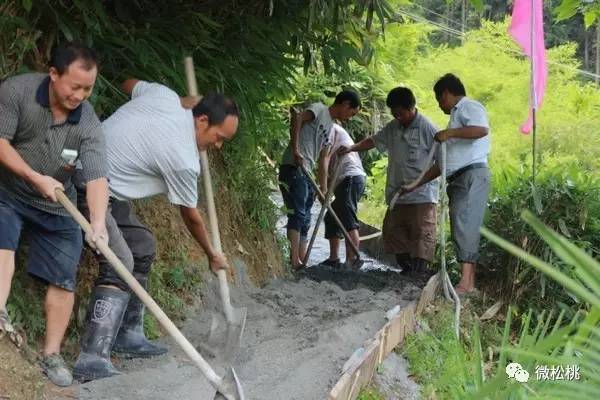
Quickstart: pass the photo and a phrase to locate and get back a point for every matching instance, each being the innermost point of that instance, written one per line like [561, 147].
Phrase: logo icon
[101, 310]
[516, 371]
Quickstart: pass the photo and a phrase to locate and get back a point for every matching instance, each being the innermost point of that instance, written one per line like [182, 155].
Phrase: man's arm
[10, 159]
[195, 225]
[324, 157]
[366, 144]
[128, 85]
[467, 132]
[297, 120]
[430, 175]
[97, 200]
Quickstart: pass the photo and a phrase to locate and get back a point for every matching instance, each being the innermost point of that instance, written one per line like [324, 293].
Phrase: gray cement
[299, 333]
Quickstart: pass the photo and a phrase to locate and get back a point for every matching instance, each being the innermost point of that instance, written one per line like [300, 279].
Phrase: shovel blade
[225, 337]
[231, 387]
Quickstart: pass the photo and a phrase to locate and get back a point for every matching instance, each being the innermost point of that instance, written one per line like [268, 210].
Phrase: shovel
[235, 318]
[326, 203]
[333, 214]
[228, 386]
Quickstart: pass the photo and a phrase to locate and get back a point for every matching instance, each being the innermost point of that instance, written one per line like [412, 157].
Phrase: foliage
[543, 339]
[564, 199]
[589, 8]
[370, 394]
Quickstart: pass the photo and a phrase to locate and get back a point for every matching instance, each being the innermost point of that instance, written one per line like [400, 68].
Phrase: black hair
[401, 97]
[216, 107]
[350, 96]
[451, 83]
[65, 54]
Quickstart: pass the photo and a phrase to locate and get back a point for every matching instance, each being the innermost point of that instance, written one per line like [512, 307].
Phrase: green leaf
[27, 4]
[566, 9]
[589, 18]
[478, 4]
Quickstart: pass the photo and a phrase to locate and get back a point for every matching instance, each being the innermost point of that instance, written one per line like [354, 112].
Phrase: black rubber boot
[404, 264]
[421, 269]
[131, 341]
[104, 315]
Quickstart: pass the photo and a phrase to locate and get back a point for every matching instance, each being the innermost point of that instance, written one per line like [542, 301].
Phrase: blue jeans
[298, 197]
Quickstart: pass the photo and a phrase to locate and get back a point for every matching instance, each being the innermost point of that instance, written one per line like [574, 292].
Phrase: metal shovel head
[225, 337]
[231, 387]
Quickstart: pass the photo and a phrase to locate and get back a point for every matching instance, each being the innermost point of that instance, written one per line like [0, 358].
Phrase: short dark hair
[216, 107]
[451, 83]
[348, 95]
[65, 54]
[401, 97]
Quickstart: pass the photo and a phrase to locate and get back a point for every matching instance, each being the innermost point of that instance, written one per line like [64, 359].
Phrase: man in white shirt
[348, 189]
[153, 146]
[468, 176]
[309, 145]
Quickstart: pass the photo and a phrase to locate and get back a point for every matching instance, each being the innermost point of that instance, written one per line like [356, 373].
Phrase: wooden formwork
[360, 369]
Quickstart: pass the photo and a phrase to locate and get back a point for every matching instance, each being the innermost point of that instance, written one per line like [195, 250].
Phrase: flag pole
[533, 93]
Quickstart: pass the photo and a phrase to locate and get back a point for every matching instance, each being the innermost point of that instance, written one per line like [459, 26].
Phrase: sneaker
[56, 369]
[7, 327]
[336, 264]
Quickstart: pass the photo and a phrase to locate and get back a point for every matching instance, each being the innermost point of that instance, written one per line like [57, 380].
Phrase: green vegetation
[370, 394]
[275, 55]
[474, 366]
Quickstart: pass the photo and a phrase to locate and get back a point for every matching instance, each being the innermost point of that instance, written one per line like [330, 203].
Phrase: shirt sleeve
[323, 124]
[143, 88]
[9, 110]
[92, 153]
[182, 187]
[473, 114]
[381, 139]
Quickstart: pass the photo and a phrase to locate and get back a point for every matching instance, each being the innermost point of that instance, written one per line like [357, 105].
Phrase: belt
[464, 169]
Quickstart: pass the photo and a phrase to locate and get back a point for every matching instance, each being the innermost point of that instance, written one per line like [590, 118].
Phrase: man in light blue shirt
[409, 225]
[468, 176]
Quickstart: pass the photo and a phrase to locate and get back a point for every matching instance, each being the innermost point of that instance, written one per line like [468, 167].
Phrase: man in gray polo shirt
[468, 176]
[46, 124]
[153, 146]
[309, 141]
[409, 225]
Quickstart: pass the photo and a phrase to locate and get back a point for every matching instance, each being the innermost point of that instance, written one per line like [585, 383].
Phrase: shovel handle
[333, 214]
[210, 200]
[154, 308]
[328, 196]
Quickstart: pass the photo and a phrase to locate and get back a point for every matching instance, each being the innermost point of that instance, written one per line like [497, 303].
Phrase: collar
[42, 96]
[463, 99]
[413, 124]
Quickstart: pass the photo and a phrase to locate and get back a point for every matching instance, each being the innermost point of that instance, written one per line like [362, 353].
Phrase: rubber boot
[104, 315]
[404, 264]
[421, 268]
[131, 341]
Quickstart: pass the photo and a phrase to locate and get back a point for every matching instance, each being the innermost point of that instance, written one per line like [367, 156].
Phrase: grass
[370, 393]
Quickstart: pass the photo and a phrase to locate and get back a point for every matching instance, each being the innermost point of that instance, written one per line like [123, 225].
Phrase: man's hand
[321, 198]
[298, 158]
[98, 236]
[404, 189]
[217, 262]
[47, 186]
[443, 135]
[344, 150]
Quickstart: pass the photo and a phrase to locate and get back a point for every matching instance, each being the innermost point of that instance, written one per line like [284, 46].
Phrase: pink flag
[527, 28]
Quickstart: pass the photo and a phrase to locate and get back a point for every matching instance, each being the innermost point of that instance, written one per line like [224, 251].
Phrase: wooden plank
[428, 293]
[357, 377]
[390, 336]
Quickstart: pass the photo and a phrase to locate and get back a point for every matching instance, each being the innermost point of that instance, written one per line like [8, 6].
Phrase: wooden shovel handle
[154, 308]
